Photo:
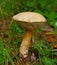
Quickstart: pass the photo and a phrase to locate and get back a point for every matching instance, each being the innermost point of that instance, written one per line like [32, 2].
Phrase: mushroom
[28, 21]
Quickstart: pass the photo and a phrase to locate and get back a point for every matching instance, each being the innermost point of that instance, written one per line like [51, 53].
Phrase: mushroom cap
[29, 20]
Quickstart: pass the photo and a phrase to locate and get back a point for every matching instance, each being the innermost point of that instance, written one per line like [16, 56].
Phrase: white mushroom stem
[24, 47]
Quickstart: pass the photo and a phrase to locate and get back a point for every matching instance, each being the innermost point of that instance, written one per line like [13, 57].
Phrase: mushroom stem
[25, 43]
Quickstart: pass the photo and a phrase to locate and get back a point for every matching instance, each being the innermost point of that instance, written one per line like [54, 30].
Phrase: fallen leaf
[55, 46]
[1, 22]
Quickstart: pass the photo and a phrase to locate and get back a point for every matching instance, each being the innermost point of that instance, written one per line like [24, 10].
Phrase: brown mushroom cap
[29, 20]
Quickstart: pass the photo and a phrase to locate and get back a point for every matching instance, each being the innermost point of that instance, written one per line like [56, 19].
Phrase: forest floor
[32, 59]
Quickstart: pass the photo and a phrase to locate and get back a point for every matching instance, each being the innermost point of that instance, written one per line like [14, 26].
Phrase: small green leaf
[30, 4]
